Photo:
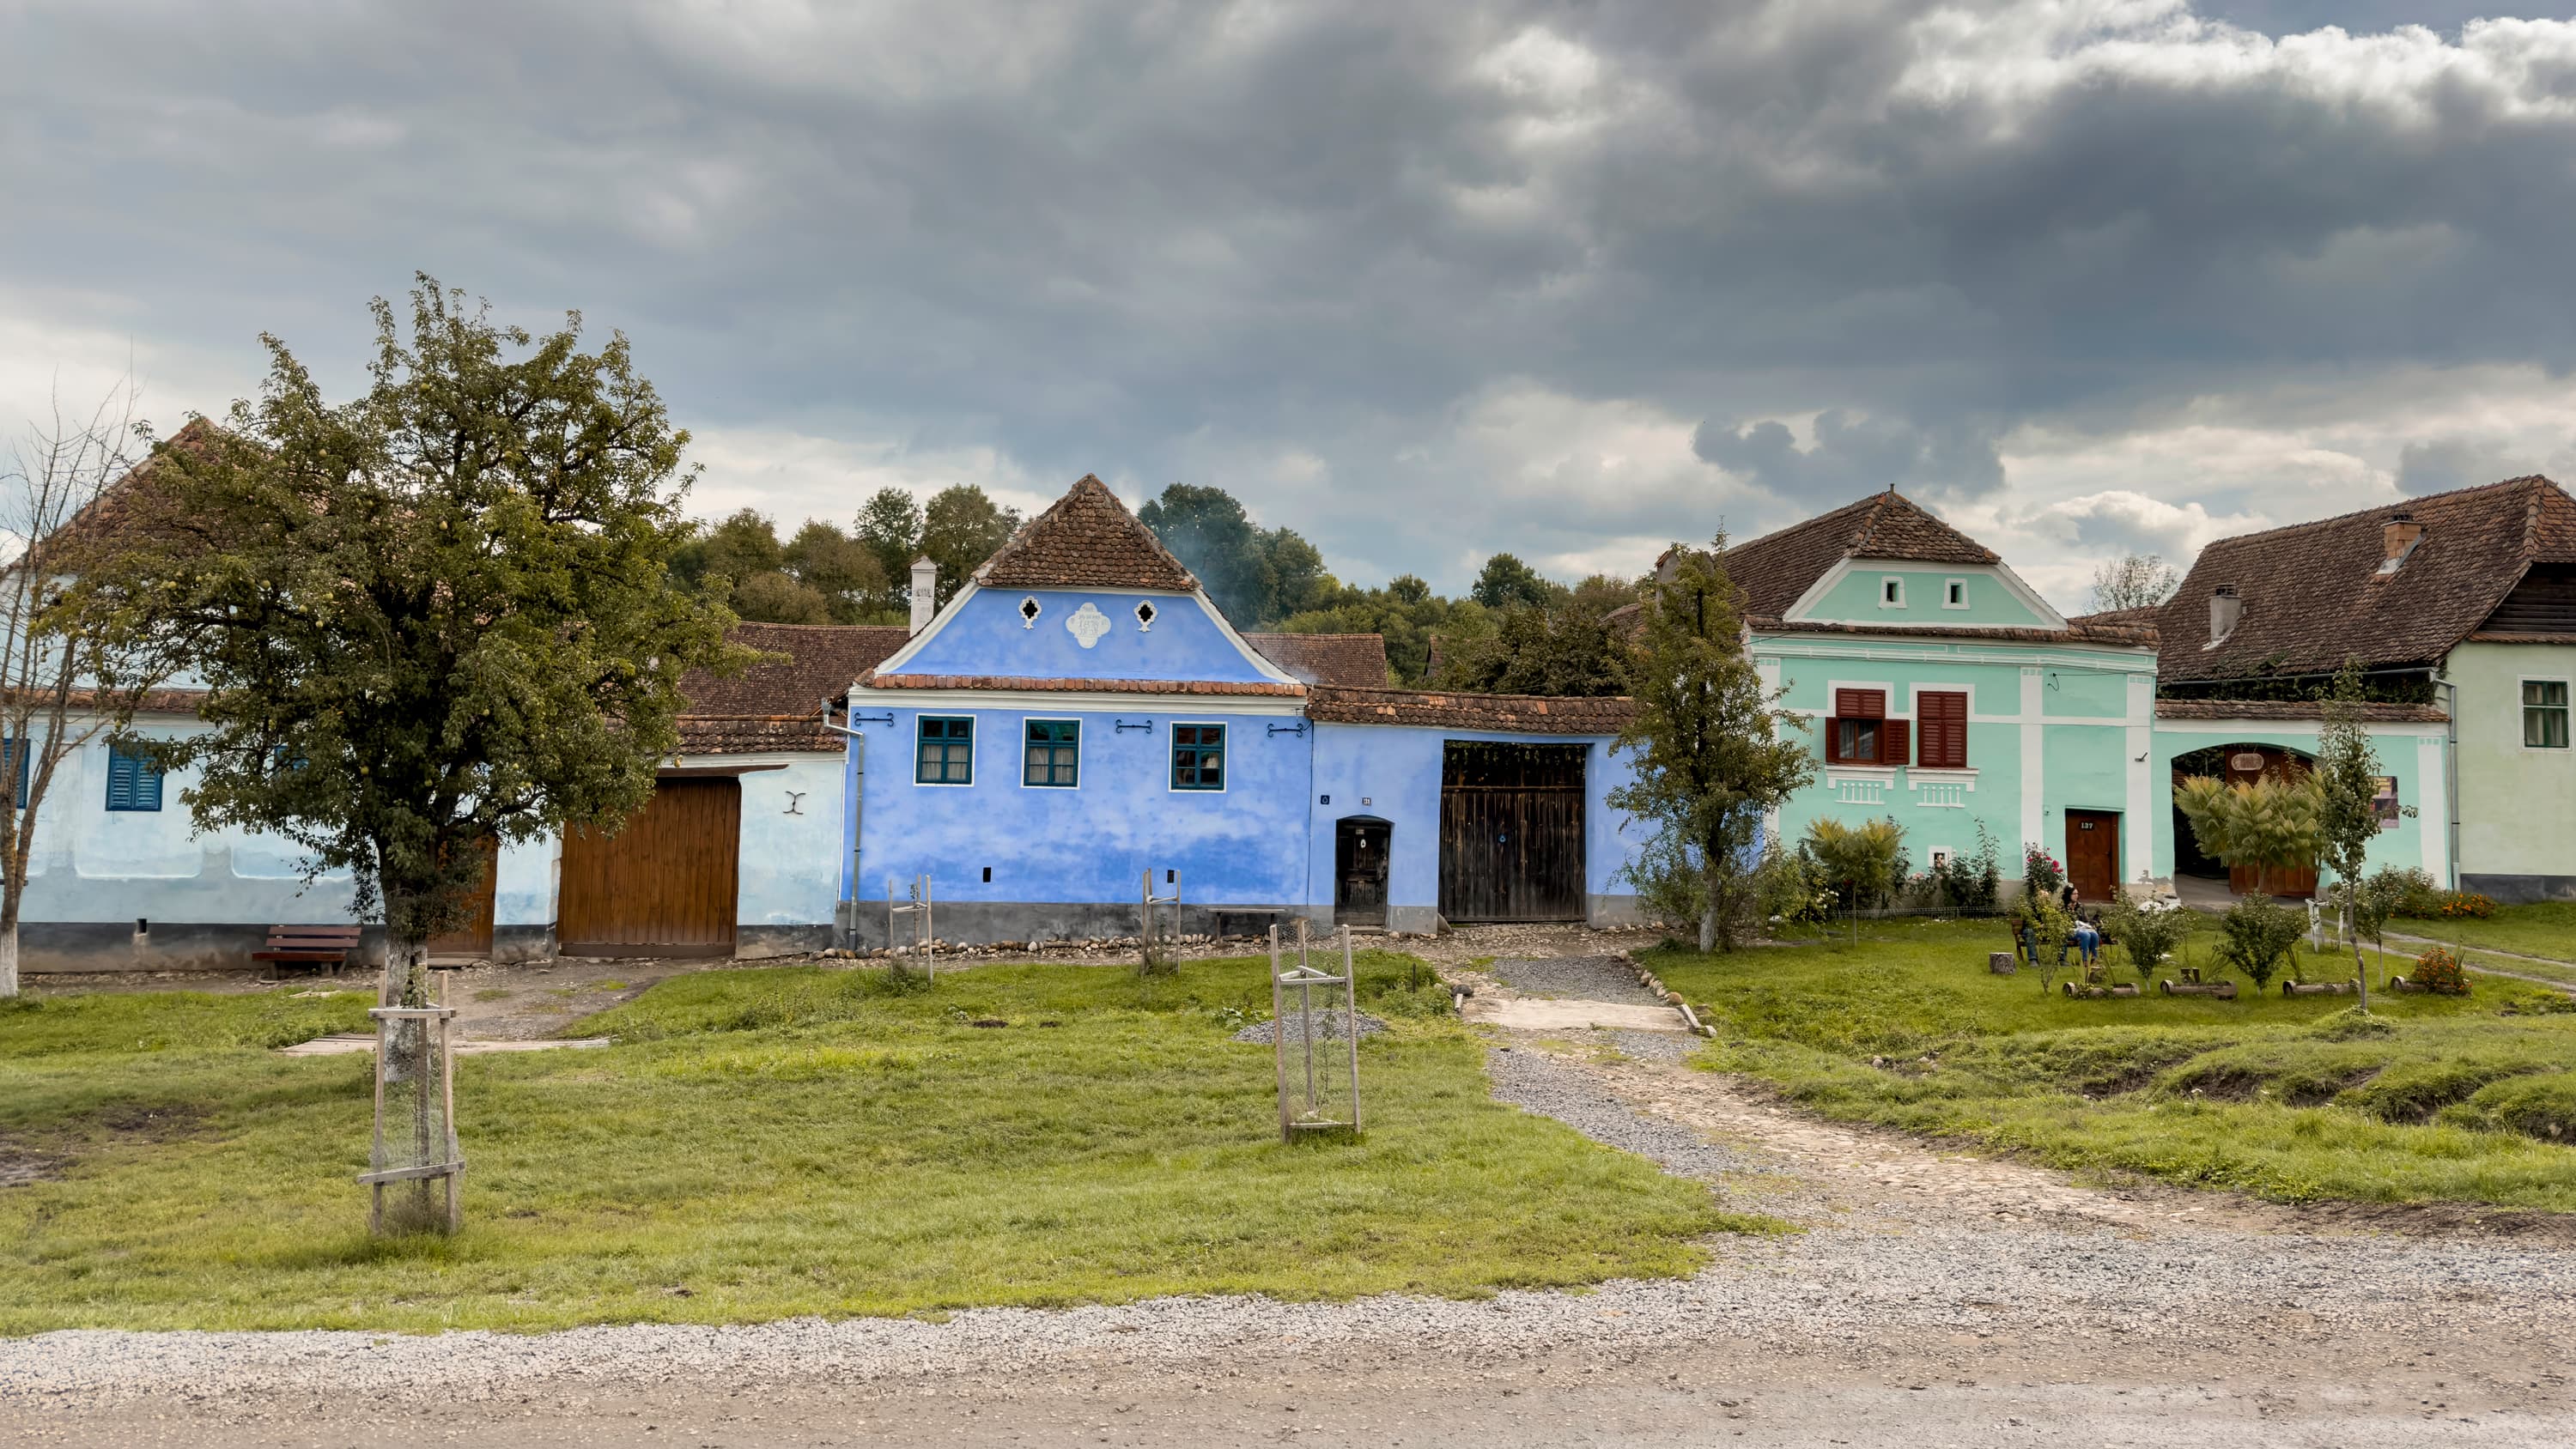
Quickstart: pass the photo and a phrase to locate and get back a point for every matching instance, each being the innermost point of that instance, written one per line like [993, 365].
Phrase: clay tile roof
[1082, 686]
[122, 512]
[739, 734]
[1516, 713]
[822, 660]
[2293, 709]
[1776, 568]
[2312, 593]
[1085, 540]
[1352, 659]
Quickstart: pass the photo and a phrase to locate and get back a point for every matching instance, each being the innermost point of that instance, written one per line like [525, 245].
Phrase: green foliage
[1570, 646]
[960, 528]
[843, 570]
[1863, 861]
[2439, 970]
[1404, 611]
[1706, 741]
[434, 615]
[2051, 927]
[2147, 935]
[2041, 873]
[806, 1141]
[2272, 821]
[889, 528]
[1790, 887]
[1971, 882]
[1506, 581]
[821, 576]
[2256, 936]
[1257, 576]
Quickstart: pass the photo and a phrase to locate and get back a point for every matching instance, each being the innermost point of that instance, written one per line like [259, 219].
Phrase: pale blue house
[1080, 715]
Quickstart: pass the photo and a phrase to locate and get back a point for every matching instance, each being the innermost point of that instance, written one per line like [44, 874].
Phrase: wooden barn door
[2093, 854]
[1511, 832]
[663, 886]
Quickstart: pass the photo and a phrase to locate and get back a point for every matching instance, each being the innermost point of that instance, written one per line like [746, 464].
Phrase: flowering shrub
[2439, 970]
[2467, 903]
[2041, 872]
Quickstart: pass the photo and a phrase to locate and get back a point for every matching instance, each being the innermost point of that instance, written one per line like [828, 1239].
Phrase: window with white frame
[1954, 593]
[1891, 591]
[2544, 714]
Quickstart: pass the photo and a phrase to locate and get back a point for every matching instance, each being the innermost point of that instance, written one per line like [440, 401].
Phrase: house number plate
[2246, 761]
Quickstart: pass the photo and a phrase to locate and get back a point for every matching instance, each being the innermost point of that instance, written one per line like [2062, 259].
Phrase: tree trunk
[406, 980]
[8, 960]
[2360, 972]
[1709, 908]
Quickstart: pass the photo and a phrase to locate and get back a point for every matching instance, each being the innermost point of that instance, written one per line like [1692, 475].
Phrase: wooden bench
[309, 946]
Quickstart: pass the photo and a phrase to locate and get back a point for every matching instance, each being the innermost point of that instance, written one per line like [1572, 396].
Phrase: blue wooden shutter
[132, 782]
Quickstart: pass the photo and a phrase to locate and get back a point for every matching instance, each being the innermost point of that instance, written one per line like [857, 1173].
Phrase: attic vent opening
[2225, 608]
[1145, 614]
[1029, 612]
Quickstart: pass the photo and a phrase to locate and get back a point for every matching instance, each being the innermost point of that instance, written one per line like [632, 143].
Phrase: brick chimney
[2224, 610]
[925, 593]
[2397, 538]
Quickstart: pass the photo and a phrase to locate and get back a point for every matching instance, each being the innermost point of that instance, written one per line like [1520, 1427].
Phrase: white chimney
[925, 593]
[2224, 610]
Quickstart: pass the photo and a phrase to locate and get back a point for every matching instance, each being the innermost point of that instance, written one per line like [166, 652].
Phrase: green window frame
[1051, 754]
[1198, 757]
[2544, 714]
[133, 780]
[943, 750]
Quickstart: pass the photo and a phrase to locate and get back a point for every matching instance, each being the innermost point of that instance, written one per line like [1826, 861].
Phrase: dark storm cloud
[1171, 241]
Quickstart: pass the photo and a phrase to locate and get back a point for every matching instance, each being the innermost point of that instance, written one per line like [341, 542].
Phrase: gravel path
[1577, 978]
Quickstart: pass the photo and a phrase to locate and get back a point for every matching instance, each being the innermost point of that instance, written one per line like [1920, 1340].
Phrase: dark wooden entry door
[2093, 853]
[473, 940]
[1359, 871]
[663, 886]
[1511, 832]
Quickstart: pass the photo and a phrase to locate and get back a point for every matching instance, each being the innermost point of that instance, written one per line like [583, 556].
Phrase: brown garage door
[1511, 832]
[664, 885]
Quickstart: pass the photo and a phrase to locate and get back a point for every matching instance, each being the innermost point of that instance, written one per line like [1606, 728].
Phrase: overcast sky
[1421, 281]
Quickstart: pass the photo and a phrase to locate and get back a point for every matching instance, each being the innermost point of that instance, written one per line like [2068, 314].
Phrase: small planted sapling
[2255, 935]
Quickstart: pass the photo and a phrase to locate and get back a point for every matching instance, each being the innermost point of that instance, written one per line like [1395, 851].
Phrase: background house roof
[822, 660]
[1775, 569]
[2077, 631]
[1357, 660]
[1517, 713]
[2294, 709]
[2312, 593]
[1085, 540]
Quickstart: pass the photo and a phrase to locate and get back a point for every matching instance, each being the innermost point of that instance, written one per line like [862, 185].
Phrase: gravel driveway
[1929, 1299]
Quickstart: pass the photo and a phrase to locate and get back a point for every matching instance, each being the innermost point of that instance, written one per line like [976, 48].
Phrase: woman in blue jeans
[2086, 937]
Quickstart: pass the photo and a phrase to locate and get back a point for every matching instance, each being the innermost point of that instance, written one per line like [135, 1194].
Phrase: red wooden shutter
[1857, 704]
[1891, 741]
[1944, 740]
[1860, 703]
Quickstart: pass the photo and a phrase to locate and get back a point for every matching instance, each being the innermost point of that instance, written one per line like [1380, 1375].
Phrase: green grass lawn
[2442, 1099]
[2546, 929]
[764, 1143]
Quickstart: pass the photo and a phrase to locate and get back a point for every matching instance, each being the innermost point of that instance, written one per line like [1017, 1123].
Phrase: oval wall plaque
[2247, 761]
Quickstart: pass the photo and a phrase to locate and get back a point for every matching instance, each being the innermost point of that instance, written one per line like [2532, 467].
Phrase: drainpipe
[858, 778]
[2451, 766]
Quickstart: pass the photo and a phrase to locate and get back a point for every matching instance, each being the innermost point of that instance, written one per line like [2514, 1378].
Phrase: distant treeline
[1515, 631]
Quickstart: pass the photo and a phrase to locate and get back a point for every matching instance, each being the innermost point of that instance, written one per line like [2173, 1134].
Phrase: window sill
[1885, 774]
[1942, 775]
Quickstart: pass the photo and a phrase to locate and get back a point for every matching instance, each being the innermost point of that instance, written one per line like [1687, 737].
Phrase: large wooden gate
[663, 886]
[1511, 832]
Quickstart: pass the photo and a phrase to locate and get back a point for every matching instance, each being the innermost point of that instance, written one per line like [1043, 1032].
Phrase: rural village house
[1080, 714]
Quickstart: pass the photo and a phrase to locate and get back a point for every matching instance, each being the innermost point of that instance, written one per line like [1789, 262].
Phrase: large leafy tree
[2134, 581]
[1507, 579]
[960, 528]
[1257, 576]
[1708, 740]
[889, 528]
[1576, 644]
[435, 616]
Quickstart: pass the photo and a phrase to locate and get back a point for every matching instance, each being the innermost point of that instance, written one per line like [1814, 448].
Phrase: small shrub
[2255, 935]
[2438, 970]
[2148, 933]
[2407, 892]
[2469, 905]
[2351, 1024]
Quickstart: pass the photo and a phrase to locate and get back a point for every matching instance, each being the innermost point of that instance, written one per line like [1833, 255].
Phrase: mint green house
[1944, 693]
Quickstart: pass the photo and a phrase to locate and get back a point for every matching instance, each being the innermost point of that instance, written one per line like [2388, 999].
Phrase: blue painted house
[1080, 715]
